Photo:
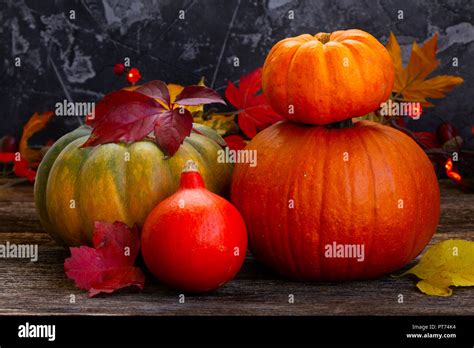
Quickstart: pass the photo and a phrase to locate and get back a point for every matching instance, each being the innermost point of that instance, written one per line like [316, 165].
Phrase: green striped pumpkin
[76, 186]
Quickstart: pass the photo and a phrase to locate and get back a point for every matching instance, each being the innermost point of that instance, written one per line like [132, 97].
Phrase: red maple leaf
[254, 112]
[6, 157]
[109, 265]
[127, 116]
[235, 142]
[22, 168]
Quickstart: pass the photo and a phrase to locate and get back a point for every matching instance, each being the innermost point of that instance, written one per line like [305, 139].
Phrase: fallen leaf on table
[447, 263]
[109, 265]
[411, 82]
[36, 122]
[254, 112]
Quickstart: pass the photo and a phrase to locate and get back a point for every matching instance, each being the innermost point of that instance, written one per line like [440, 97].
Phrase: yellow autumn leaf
[410, 81]
[174, 89]
[36, 122]
[447, 263]
[221, 123]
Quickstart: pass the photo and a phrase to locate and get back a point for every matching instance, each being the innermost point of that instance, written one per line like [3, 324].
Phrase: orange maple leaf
[36, 122]
[410, 81]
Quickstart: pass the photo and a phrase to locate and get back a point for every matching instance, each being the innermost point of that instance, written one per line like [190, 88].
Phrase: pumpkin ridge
[290, 192]
[397, 144]
[63, 160]
[341, 139]
[43, 174]
[322, 232]
[288, 74]
[97, 179]
[359, 61]
[374, 218]
[271, 245]
[402, 144]
[83, 233]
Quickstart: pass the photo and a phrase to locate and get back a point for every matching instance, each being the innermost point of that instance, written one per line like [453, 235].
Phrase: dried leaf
[410, 82]
[36, 122]
[447, 263]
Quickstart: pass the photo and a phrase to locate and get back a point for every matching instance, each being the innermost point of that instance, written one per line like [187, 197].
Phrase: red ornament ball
[194, 240]
[119, 69]
[133, 76]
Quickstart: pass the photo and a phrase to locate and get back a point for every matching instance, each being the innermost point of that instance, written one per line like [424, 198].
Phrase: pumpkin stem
[190, 177]
[341, 124]
[324, 37]
[190, 166]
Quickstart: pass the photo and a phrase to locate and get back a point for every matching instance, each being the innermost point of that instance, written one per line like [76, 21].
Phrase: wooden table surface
[35, 288]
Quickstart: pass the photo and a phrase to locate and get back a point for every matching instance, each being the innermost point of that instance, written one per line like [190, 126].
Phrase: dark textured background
[72, 59]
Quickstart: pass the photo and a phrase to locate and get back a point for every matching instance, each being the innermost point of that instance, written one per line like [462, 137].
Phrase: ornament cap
[190, 177]
[190, 166]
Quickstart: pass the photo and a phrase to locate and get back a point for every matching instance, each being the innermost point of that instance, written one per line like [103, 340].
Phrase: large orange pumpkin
[314, 190]
[327, 78]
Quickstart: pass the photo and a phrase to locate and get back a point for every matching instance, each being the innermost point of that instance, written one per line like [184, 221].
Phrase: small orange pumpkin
[327, 78]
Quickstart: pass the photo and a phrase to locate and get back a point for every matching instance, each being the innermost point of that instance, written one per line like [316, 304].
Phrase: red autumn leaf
[196, 95]
[21, 168]
[430, 140]
[254, 112]
[129, 116]
[156, 89]
[109, 265]
[123, 116]
[6, 157]
[171, 128]
[235, 142]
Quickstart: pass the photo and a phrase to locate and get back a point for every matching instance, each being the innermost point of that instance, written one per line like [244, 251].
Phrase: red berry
[446, 131]
[8, 143]
[133, 76]
[119, 69]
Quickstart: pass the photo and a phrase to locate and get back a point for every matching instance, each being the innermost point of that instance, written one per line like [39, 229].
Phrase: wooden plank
[42, 288]
[17, 209]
